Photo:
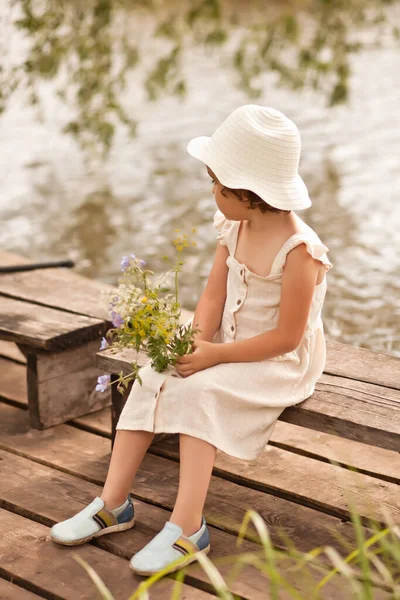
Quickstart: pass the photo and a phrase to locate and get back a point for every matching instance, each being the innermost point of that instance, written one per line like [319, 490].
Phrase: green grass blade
[98, 582]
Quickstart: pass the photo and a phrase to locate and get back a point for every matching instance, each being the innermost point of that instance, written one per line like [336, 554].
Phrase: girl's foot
[168, 546]
[93, 521]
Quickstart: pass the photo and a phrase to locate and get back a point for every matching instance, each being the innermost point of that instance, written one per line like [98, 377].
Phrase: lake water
[53, 205]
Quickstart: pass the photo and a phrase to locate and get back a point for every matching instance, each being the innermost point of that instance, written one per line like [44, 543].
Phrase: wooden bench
[357, 397]
[57, 318]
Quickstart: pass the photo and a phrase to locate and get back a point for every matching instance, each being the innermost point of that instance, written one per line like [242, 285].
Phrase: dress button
[156, 395]
[232, 327]
[239, 302]
[241, 271]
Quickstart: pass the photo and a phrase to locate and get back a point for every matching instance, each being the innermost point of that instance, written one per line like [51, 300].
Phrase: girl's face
[228, 203]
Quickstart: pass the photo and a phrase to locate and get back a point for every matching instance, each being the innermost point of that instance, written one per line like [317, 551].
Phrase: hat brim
[287, 195]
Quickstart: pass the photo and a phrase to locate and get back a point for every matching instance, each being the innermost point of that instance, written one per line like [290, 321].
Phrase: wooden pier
[50, 469]
[48, 475]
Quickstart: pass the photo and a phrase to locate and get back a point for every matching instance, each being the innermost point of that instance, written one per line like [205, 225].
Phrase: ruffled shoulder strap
[224, 228]
[314, 246]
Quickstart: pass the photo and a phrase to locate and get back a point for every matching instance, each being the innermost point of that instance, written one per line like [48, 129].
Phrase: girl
[261, 346]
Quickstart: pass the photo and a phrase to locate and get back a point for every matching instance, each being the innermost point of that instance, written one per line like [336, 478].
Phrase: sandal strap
[105, 518]
[185, 546]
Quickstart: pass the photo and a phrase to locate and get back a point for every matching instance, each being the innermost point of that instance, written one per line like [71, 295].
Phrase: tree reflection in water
[90, 48]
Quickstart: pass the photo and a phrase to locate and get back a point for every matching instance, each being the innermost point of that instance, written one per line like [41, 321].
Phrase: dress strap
[225, 229]
[314, 246]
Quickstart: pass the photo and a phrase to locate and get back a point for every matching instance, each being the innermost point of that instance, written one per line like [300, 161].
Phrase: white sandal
[168, 546]
[91, 522]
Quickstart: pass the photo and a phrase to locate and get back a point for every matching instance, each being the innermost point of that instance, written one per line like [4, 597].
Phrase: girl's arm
[298, 283]
[208, 314]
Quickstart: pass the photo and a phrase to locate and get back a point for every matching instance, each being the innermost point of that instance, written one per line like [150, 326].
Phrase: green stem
[176, 284]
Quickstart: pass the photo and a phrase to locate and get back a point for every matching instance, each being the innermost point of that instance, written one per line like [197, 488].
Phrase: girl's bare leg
[196, 464]
[128, 452]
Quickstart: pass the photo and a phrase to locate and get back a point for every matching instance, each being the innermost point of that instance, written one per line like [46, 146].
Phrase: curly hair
[254, 200]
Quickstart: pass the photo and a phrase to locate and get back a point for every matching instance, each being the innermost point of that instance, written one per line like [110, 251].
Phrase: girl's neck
[264, 222]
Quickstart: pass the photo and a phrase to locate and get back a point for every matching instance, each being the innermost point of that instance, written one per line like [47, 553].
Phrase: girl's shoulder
[306, 235]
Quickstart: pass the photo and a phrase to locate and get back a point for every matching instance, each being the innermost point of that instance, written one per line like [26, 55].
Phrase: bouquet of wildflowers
[145, 315]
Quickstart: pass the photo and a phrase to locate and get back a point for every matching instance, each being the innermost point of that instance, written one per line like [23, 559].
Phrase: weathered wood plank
[62, 385]
[86, 455]
[42, 494]
[363, 412]
[10, 591]
[46, 328]
[27, 554]
[362, 364]
[377, 462]
[13, 386]
[311, 482]
[47, 496]
[384, 464]
[355, 410]
[57, 287]
[11, 351]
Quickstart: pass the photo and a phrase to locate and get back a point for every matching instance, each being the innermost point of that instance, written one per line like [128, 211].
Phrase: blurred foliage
[90, 50]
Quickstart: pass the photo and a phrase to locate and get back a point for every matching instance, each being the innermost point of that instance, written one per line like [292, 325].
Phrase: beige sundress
[235, 406]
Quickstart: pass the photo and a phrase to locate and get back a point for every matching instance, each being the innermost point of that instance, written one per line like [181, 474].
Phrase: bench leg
[62, 385]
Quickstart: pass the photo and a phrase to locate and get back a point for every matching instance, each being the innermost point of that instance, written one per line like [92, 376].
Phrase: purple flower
[104, 343]
[142, 263]
[116, 319]
[125, 262]
[102, 383]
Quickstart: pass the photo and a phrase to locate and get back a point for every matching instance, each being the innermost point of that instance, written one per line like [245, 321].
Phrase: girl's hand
[205, 355]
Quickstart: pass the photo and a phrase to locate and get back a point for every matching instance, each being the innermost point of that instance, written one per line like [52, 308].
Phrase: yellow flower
[194, 230]
[176, 229]
[179, 248]
[144, 299]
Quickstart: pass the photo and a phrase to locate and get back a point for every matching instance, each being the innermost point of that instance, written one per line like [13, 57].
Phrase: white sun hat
[256, 148]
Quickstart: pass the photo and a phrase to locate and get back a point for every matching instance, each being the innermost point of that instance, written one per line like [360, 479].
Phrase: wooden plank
[9, 591]
[377, 462]
[57, 287]
[62, 385]
[13, 387]
[358, 411]
[28, 555]
[46, 328]
[11, 351]
[42, 494]
[362, 364]
[313, 483]
[80, 453]
[355, 410]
